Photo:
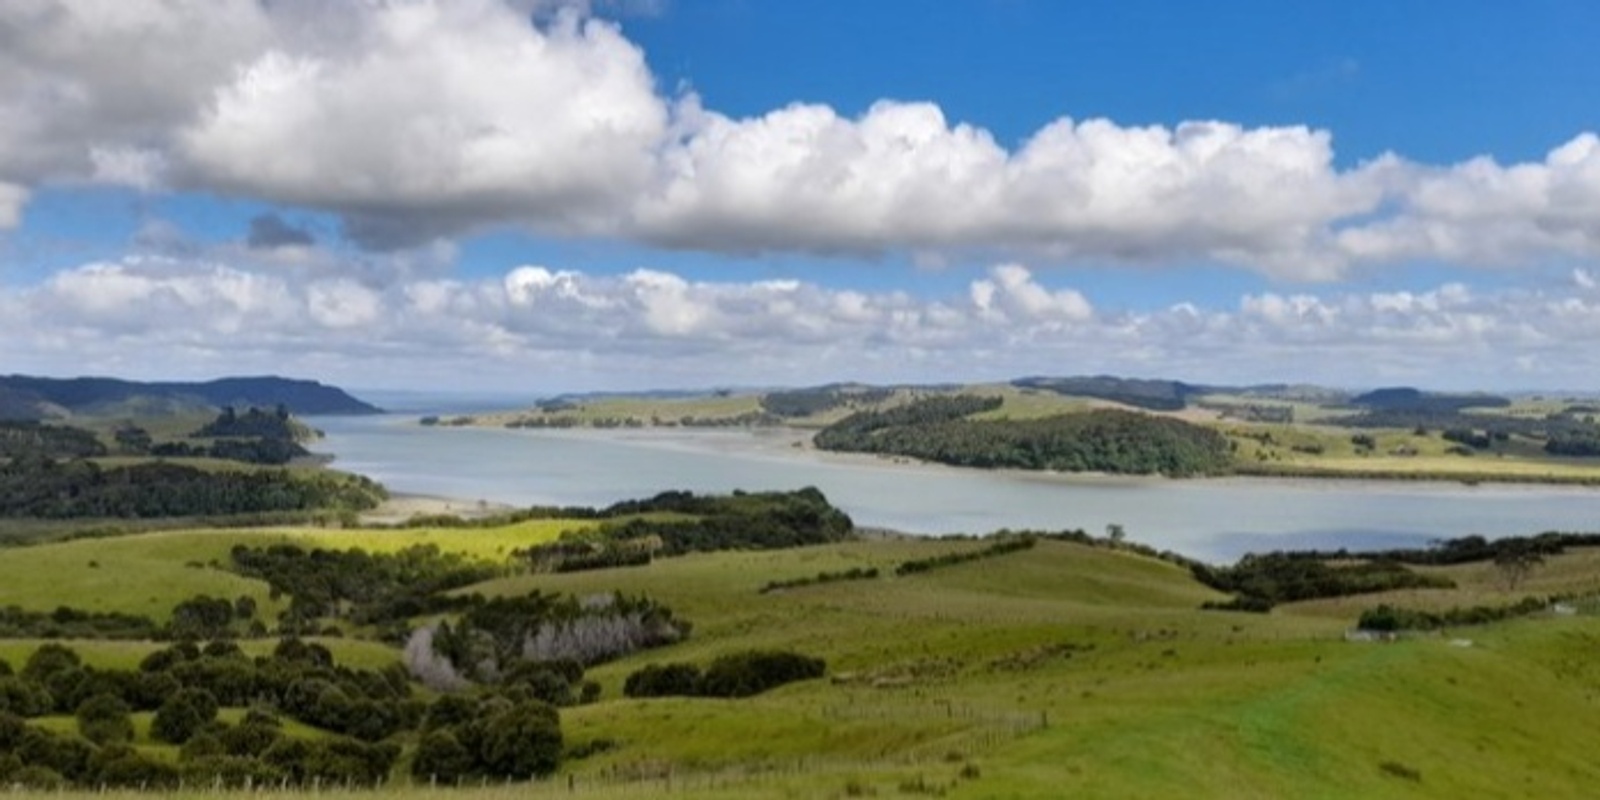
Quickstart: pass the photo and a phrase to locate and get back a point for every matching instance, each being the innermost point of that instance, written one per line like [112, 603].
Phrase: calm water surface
[1211, 519]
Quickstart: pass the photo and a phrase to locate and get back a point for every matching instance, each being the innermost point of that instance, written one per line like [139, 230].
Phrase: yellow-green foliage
[145, 575]
[148, 574]
[487, 544]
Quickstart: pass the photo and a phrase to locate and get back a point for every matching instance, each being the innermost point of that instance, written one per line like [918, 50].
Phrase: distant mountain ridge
[1406, 398]
[27, 397]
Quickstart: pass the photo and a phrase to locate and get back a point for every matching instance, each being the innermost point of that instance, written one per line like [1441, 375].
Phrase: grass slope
[1063, 670]
[967, 666]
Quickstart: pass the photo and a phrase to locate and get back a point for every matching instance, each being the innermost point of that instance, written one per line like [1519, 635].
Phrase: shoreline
[789, 443]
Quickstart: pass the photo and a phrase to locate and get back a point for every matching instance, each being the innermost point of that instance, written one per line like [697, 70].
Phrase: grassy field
[148, 574]
[1067, 671]
[1064, 670]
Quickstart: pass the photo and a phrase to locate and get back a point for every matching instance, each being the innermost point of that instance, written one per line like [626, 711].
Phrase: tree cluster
[364, 588]
[185, 685]
[1102, 440]
[543, 641]
[741, 674]
[810, 402]
[924, 413]
[1460, 550]
[470, 738]
[72, 623]
[1393, 618]
[253, 423]
[590, 550]
[742, 520]
[256, 437]
[21, 439]
[45, 488]
[204, 617]
[1271, 578]
[1574, 443]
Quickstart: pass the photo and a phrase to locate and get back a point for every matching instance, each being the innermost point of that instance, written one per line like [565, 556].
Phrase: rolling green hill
[1060, 670]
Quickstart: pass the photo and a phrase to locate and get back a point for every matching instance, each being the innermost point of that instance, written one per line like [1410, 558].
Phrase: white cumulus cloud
[426, 120]
[539, 328]
[443, 115]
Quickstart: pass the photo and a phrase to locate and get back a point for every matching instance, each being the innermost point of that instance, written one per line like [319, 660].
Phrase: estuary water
[1212, 519]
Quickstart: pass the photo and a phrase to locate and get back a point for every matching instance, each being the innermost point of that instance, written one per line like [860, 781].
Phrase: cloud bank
[543, 329]
[418, 120]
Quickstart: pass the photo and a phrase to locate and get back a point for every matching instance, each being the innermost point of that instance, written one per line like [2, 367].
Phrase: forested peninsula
[1103, 440]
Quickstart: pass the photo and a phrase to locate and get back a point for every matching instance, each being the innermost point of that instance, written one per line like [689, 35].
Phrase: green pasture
[149, 573]
[1072, 671]
[1059, 671]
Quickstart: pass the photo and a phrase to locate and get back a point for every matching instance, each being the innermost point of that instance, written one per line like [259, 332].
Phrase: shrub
[11, 730]
[1400, 770]
[440, 757]
[68, 756]
[448, 711]
[23, 698]
[49, 659]
[663, 680]
[522, 742]
[756, 671]
[103, 719]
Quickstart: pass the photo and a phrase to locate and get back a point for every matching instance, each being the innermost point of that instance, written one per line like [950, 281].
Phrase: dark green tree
[49, 659]
[522, 742]
[105, 719]
[183, 714]
[1515, 561]
[441, 758]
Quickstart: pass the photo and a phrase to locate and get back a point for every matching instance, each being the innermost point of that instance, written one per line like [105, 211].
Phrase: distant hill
[1405, 398]
[1155, 395]
[25, 397]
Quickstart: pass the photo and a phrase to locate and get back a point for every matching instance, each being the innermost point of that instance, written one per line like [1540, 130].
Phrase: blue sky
[545, 196]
